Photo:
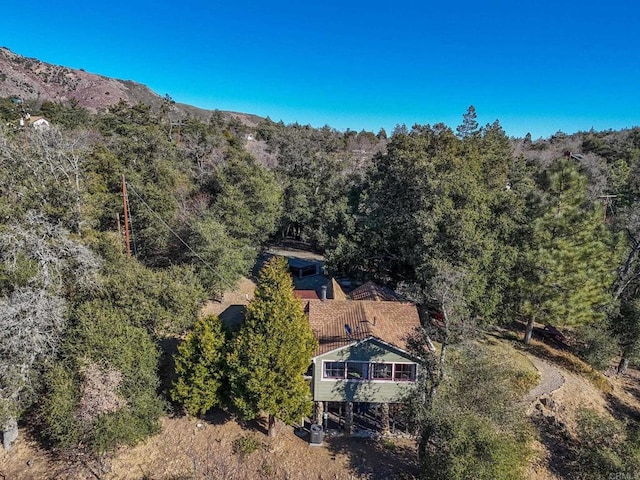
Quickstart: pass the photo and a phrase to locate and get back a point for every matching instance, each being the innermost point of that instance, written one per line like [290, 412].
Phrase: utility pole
[125, 205]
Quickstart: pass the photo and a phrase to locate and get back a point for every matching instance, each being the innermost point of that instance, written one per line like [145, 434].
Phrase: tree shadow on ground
[167, 365]
[69, 462]
[217, 416]
[232, 317]
[622, 410]
[259, 424]
[376, 459]
[515, 331]
[558, 442]
[630, 381]
[633, 390]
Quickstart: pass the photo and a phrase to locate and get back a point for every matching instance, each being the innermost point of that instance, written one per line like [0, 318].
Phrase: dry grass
[562, 358]
[570, 362]
[222, 448]
[219, 447]
[525, 374]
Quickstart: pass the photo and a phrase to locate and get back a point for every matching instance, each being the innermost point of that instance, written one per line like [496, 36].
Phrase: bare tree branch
[32, 311]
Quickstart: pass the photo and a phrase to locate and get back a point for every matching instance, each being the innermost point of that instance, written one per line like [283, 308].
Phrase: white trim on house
[386, 344]
[368, 378]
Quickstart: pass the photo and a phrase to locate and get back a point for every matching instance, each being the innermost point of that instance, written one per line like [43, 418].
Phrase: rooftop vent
[347, 329]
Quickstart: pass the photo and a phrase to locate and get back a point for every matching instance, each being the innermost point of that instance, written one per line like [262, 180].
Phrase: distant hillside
[34, 80]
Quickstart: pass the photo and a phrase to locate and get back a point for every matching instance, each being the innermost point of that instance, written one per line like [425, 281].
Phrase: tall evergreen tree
[570, 260]
[433, 198]
[272, 351]
[469, 126]
[248, 199]
[626, 328]
[200, 365]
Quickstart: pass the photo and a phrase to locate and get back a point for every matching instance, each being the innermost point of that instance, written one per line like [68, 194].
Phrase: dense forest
[488, 229]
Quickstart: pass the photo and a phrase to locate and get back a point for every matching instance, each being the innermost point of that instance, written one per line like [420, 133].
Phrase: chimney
[323, 293]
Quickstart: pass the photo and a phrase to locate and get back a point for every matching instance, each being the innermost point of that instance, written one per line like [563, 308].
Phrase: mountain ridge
[31, 79]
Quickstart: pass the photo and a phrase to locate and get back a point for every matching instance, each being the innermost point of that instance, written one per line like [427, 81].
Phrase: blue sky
[538, 68]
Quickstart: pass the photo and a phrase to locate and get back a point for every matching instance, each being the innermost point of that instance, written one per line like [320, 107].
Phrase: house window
[405, 372]
[381, 371]
[357, 370]
[333, 369]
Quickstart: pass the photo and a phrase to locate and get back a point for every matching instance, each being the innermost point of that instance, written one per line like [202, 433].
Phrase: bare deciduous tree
[49, 171]
[450, 323]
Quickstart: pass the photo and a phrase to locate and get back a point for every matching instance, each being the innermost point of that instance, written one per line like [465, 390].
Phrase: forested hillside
[485, 228]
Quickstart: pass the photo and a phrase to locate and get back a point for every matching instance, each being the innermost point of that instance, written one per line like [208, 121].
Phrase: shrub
[474, 428]
[200, 366]
[245, 445]
[595, 345]
[607, 447]
[388, 444]
[103, 392]
[467, 446]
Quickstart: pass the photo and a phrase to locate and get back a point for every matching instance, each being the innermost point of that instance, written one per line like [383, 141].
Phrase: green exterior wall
[375, 391]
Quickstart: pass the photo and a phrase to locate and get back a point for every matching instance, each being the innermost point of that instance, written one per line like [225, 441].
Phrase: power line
[128, 220]
[178, 236]
[125, 208]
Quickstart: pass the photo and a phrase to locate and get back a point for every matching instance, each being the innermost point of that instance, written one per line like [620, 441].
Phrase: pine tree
[625, 327]
[469, 125]
[200, 367]
[571, 256]
[272, 351]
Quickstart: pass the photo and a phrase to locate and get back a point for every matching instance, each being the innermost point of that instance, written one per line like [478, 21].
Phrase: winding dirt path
[555, 417]
[551, 379]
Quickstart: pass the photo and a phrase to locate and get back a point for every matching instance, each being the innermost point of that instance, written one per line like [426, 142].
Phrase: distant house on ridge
[39, 123]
